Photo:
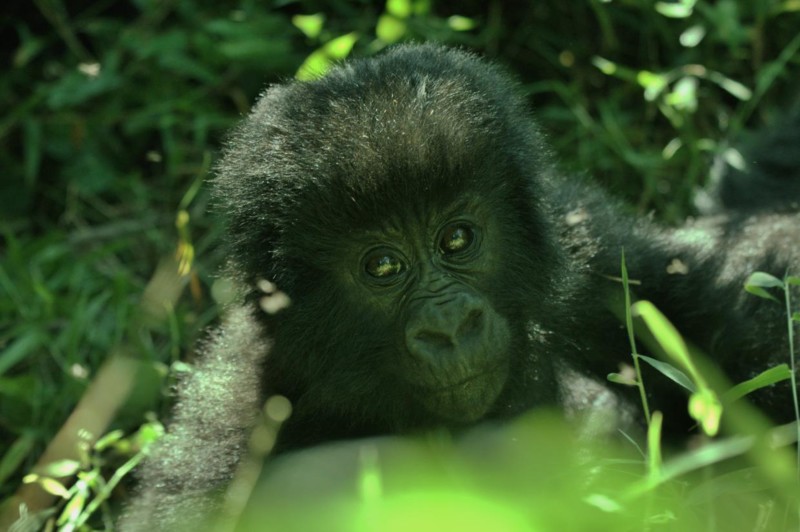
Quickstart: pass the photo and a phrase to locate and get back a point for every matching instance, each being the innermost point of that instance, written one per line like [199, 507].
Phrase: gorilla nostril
[471, 324]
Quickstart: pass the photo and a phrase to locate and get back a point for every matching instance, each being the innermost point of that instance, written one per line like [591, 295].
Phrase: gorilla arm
[182, 483]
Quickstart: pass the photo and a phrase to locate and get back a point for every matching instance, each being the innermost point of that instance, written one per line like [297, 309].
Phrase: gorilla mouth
[449, 388]
[468, 399]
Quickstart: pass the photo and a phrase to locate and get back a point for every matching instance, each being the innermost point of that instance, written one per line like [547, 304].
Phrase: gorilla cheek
[457, 355]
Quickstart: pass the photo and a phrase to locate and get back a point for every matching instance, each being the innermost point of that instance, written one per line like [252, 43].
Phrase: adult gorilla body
[440, 271]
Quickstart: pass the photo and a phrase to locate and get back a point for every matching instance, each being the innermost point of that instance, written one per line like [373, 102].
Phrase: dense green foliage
[114, 113]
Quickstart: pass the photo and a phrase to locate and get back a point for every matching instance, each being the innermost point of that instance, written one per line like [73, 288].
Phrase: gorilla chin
[469, 399]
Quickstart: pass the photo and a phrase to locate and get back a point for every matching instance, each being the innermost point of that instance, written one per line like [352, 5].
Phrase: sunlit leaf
[390, 29]
[398, 8]
[73, 508]
[682, 10]
[684, 95]
[60, 468]
[48, 484]
[733, 87]
[459, 23]
[734, 157]
[606, 67]
[706, 409]
[340, 47]
[654, 84]
[664, 332]
[692, 36]
[320, 60]
[604, 503]
[310, 25]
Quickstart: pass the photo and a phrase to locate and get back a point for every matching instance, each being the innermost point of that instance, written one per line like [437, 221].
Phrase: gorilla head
[397, 202]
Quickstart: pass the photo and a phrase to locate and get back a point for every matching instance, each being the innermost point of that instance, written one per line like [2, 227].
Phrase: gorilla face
[430, 274]
[415, 308]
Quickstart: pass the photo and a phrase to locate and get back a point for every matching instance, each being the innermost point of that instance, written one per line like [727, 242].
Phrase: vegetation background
[113, 114]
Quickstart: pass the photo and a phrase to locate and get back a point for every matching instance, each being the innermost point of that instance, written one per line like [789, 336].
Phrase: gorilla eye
[456, 238]
[383, 265]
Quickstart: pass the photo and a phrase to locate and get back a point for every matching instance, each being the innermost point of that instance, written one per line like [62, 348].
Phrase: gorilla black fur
[441, 272]
[770, 180]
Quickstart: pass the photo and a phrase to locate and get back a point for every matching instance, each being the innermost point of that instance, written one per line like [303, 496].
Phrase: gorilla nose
[442, 332]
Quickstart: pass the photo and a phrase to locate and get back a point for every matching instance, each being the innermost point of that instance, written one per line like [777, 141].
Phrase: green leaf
[621, 379]
[29, 47]
[390, 29]
[32, 149]
[72, 510]
[604, 503]
[734, 157]
[764, 280]
[606, 67]
[60, 468]
[340, 47]
[758, 281]
[653, 84]
[676, 10]
[75, 87]
[459, 23]
[422, 7]
[706, 409]
[684, 95]
[314, 67]
[760, 292]
[692, 36]
[398, 8]
[733, 87]
[762, 380]
[310, 25]
[108, 440]
[149, 433]
[664, 332]
[20, 348]
[654, 445]
[48, 484]
[671, 372]
[320, 60]
[15, 455]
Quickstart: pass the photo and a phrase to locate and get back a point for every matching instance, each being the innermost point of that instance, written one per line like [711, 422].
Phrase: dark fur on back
[770, 178]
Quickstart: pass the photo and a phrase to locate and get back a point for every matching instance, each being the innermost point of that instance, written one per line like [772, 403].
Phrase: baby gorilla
[399, 205]
[440, 272]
